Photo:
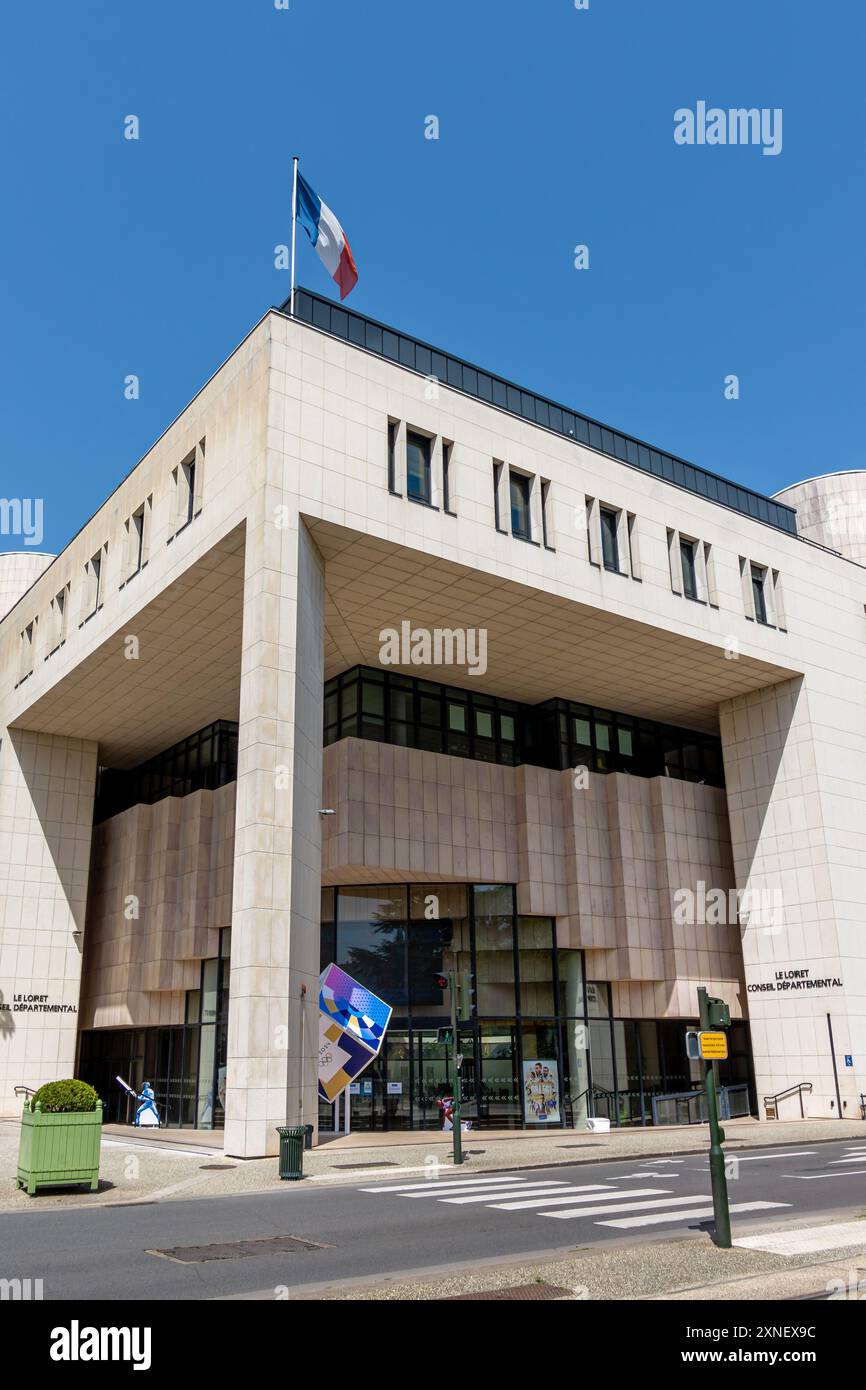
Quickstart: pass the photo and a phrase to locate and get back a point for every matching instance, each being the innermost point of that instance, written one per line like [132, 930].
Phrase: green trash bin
[291, 1150]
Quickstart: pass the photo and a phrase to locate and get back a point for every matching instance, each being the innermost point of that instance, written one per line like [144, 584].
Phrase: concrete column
[795, 766]
[571, 978]
[273, 1000]
[46, 819]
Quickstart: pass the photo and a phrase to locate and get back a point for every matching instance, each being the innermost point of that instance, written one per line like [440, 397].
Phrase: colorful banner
[541, 1088]
[352, 1026]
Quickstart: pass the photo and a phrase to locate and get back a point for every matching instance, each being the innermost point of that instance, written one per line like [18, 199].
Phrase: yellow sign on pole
[714, 1046]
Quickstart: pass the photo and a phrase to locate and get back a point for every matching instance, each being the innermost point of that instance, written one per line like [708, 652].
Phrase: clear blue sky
[556, 128]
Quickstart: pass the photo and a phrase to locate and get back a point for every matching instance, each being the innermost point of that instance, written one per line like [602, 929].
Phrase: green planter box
[59, 1148]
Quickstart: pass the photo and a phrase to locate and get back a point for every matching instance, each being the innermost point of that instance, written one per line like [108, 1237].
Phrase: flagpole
[294, 224]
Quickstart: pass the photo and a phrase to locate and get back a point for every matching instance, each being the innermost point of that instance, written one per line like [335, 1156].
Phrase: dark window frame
[608, 520]
[424, 443]
[524, 489]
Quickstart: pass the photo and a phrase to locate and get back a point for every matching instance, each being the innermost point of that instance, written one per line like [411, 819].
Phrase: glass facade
[537, 1030]
[206, 759]
[185, 1065]
[540, 1043]
[374, 703]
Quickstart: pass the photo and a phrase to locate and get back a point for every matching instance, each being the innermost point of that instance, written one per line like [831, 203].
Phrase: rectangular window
[137, 537]
[25, 664]
[518, 485]
[187, 480]
[758, 596]
[418, 482]
[393, 427]
[58, 614]
[188, 493]
[690, 576]
[446, 476]
[93, 586]
[609, 544]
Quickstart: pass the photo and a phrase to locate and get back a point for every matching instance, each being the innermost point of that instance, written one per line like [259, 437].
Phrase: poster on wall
[541, 1088]
[352, 1026]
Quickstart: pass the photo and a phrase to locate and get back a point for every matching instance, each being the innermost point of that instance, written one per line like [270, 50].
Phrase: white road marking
[437, 1185]
[540, 1188]
[809, 1240]
[753, 1158]
[642, 1173]
[816, 1177]
[559, 1200]
[703, 1212]
[347, 1174]
[574, 1212]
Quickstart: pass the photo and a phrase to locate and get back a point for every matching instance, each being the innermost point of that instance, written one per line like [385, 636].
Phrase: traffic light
[718, 1013]
[465, 994]
[445, 1036]
[440, 981]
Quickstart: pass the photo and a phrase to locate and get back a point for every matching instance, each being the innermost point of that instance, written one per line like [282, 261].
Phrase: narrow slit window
[393, 427]
[447, 449]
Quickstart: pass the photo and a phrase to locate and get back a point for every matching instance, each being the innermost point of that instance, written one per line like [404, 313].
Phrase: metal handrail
[797, 1089]
[570, 1102]
[24, 1091]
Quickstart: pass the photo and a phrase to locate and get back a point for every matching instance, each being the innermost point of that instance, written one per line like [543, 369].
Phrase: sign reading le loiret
[714, 1046]
[35, 1004]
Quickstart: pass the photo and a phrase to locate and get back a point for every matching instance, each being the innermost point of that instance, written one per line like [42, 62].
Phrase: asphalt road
[385, 1225]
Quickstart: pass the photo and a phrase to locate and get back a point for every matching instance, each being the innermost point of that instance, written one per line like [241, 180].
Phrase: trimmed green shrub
[65, 1096]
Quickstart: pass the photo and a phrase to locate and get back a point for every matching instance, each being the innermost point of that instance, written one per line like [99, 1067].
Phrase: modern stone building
[380, 659]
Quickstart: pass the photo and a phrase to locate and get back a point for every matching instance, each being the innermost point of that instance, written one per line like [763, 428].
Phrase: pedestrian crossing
[852, 1153]
[852, 1164]
[613, 1204]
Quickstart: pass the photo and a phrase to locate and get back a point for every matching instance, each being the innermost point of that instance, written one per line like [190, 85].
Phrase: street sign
[714, 1046]
[849, 1060]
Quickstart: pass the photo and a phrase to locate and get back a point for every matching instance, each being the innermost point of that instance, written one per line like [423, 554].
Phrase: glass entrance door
[432, 1079]
[397, 1098]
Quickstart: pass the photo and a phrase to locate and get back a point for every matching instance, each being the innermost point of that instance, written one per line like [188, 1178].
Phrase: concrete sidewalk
[682, 1270]
[161, 1165]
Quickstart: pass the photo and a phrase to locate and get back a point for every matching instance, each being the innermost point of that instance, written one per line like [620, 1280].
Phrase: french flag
[327, 236]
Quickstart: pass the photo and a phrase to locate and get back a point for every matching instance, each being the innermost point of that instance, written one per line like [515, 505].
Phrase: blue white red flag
[327, 236]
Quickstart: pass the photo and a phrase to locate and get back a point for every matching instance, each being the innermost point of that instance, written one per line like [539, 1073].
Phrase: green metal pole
[455, 1053]
[719, 1182]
